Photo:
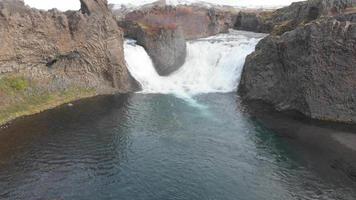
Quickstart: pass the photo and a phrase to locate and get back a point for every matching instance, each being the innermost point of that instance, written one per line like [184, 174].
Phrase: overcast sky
[75, 5]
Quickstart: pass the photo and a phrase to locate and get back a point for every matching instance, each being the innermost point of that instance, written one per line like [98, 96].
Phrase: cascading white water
[213, 64]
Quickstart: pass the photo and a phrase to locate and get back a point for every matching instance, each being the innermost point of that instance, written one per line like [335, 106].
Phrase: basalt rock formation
[163, 30]
[166, 46]
[81, 48]
[311, 70]
[288, 18]
[48, 52]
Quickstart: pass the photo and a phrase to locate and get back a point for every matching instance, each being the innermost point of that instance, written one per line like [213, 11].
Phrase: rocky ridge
[288, 18]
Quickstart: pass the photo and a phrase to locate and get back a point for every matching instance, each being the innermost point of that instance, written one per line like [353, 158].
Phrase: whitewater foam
[213, 65]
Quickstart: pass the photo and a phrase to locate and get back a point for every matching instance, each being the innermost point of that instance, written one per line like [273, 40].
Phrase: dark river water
[158, 147]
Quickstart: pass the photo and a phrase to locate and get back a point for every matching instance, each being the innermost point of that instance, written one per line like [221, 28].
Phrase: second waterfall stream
[213, 65]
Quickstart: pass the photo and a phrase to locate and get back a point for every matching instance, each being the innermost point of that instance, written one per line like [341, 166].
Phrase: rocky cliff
[311, 70]
[50, 52]
[288, 18]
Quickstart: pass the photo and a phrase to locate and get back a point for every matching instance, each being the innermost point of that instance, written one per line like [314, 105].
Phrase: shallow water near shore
[145, 146]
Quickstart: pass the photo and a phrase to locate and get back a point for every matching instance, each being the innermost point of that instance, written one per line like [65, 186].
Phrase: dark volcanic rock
[166, 47]
[311, 69]
[83, 48]
[288, 18]
[252, 21]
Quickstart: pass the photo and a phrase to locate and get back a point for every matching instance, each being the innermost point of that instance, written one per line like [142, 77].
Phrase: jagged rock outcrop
[163, 30]
[96, 6]
[288, 18]
[165, 44]
[311, 69]
[166, 47]
[83, 48]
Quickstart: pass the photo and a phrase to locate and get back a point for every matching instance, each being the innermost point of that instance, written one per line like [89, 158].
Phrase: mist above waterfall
[213, 65]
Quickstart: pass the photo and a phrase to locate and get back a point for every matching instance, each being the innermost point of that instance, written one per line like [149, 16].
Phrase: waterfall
[213, 65]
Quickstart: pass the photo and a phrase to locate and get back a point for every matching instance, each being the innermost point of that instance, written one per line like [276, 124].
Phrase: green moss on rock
[21, 97]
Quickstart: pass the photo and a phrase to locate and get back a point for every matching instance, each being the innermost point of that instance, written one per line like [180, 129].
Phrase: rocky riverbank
[48, 58]
[310, 69]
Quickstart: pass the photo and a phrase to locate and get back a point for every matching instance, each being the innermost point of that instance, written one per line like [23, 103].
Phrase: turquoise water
[157, 147]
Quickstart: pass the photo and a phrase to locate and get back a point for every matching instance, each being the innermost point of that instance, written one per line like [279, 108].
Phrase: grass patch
[20, 97]
[13, 84]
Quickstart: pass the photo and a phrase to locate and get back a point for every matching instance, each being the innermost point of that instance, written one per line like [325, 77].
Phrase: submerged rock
[311, 69]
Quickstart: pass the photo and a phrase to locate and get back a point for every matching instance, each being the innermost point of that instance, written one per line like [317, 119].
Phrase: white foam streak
[212, 65]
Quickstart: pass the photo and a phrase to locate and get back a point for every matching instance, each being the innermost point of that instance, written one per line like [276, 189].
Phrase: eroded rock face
[83, 48]
[253, 21]
[311, 69]
[96, 6]
[166, 47]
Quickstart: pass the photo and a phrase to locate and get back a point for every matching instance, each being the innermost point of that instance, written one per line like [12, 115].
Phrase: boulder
[166, 47]
[311, 70]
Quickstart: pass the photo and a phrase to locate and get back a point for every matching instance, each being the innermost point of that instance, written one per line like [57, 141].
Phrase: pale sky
[75, 5]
